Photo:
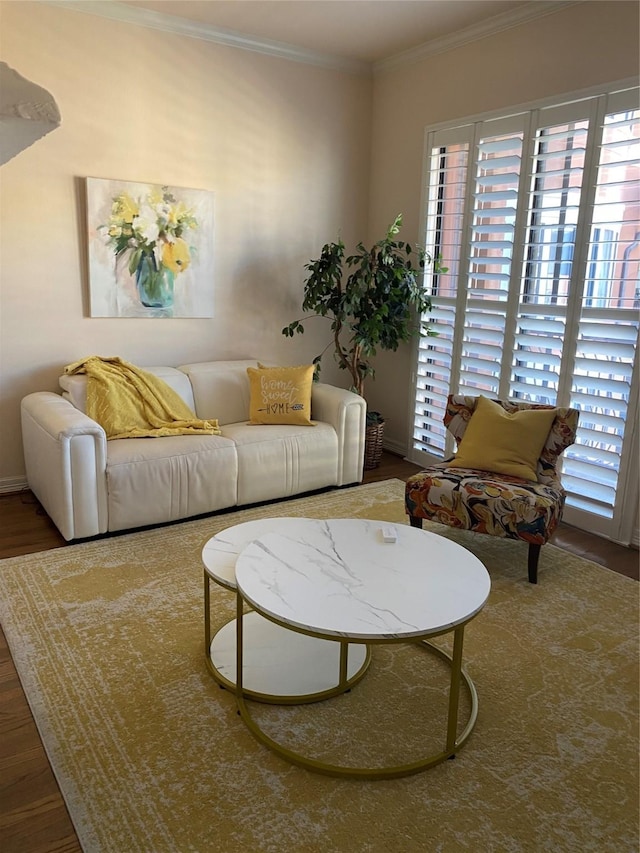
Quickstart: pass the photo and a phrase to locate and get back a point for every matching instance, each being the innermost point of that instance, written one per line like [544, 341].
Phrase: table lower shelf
[283, 667]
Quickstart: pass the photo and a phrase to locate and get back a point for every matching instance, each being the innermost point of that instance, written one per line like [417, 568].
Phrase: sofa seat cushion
[277, 461]
[154, 480]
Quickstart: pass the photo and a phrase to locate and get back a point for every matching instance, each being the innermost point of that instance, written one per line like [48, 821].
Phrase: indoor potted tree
[372, 298]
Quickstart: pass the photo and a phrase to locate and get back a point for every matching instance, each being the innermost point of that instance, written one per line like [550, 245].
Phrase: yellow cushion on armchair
[504, 442]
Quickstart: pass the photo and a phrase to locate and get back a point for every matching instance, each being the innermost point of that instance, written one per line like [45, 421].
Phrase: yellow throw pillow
[280, 395]
[504, 442]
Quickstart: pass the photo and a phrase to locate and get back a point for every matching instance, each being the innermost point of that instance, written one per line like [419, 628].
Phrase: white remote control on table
[388, 533]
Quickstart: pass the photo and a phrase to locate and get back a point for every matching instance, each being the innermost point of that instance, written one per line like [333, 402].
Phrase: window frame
[624, 527]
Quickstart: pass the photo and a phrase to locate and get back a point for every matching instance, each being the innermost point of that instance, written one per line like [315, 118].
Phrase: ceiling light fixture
[27, 113]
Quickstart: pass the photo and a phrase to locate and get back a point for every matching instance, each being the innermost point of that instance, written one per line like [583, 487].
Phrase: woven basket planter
[373, 445]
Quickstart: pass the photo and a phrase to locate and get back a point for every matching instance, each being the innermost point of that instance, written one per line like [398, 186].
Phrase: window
[536, 217]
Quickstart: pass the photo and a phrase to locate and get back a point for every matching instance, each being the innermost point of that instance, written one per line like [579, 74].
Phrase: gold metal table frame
[453, 742]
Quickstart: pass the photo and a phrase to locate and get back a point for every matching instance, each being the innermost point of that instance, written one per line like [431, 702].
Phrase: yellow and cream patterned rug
[151, 755]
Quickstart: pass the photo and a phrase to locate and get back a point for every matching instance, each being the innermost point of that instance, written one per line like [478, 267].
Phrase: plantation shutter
[537, 217]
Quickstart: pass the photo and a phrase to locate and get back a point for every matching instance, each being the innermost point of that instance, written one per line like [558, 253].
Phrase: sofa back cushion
[220, 389]
[74, 387]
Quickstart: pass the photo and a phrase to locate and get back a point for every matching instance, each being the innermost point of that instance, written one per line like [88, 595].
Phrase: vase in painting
[154, 283]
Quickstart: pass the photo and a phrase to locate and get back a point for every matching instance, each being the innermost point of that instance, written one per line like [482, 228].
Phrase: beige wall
[584, 45]
[284, 147]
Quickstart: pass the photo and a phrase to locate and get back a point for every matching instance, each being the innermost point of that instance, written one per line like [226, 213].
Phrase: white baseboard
[397, 447]
[12, 484]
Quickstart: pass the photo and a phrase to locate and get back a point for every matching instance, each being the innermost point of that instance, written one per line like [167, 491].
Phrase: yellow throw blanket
[129, 402]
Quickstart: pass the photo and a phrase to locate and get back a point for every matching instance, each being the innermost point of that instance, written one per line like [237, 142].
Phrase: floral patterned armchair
[496, 504]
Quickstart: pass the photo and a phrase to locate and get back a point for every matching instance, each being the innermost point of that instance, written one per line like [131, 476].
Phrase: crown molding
[126, 14]
[496, 24]
[121, 11]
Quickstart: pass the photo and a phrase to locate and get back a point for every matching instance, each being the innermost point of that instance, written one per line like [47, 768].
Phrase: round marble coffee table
[338, 580]
[278, 666]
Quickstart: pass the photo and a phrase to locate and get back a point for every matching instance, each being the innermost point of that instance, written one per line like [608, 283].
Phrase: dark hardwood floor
[33, 816]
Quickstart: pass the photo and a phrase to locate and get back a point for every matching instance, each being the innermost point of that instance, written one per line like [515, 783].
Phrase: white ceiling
[362, 30]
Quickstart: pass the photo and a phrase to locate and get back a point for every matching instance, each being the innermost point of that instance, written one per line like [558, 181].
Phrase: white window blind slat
[621, 120]
[604, 421]
[527, 343]
[599, 458]
[606, 351]
[618, 370]
[600, 497]
[552, 177]
[559, 136]
[436, 383]
[496, 245]
[495, 213]
[485, 385]
[587, 403]
[495, 145]
[428, 422]
[586, 471]
[603, 446]
[546, 394]
[487, 182]
[502, 195]
[478, 365]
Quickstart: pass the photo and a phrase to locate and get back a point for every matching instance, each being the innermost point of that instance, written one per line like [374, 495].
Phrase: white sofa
[90, 486]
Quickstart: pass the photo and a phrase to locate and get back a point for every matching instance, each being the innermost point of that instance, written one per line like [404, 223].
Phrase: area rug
[151, 755]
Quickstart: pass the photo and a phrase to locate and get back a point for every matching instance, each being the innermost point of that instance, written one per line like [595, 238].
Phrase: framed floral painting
[150, 250]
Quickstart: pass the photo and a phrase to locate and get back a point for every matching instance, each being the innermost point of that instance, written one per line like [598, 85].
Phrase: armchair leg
[532, 563]
[533, 556]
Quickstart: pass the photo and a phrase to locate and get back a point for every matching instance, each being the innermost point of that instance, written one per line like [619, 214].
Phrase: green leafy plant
[371, 297]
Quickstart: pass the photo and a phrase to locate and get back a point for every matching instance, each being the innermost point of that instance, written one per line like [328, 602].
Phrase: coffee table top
[220, 553]
[338, 578]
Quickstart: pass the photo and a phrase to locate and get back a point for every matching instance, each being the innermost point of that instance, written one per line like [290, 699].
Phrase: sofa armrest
[347, 414]
[65, 456]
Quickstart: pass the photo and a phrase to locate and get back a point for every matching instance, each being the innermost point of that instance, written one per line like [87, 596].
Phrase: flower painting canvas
[150, 250]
